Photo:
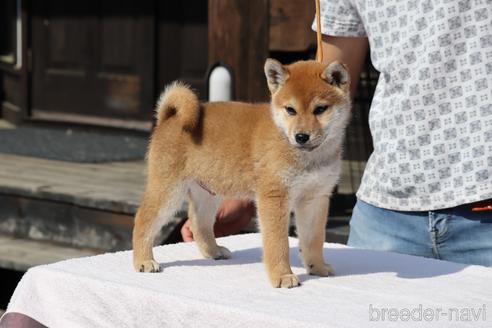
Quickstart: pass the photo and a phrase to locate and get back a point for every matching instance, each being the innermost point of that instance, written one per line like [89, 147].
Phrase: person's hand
[233, 215]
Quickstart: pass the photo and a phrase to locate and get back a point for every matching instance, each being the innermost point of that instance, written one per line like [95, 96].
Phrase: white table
[371, 289]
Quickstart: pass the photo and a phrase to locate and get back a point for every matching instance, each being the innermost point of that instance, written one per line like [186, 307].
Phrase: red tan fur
[230, 149]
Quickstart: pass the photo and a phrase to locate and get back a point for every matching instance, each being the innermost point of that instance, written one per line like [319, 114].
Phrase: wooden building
[103, 63]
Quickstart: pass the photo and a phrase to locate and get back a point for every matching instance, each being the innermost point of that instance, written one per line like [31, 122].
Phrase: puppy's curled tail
[178, 99]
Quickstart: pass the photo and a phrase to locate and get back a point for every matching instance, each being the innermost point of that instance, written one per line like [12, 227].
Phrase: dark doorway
[93, 61]
[8, 28]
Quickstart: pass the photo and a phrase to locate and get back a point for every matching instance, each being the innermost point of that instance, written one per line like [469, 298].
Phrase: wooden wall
[181, 50]
[188, 37]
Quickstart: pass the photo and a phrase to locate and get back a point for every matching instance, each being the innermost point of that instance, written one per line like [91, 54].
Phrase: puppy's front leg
[311, 216]
[273, 213]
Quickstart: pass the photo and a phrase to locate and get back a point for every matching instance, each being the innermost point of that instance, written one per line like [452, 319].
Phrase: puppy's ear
[276, 74]
[337, 75]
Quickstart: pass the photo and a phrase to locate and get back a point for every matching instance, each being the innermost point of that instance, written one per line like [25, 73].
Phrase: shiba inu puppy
[285, 155]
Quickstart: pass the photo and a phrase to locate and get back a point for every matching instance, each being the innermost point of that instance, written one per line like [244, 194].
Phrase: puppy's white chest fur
[316, 182]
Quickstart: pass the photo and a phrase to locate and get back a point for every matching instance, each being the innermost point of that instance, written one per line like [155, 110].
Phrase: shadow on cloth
[346, 262]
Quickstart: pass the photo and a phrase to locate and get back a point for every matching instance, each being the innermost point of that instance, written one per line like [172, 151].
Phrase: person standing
[427, 187]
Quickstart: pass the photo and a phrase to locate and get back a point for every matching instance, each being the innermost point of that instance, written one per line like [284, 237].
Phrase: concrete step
[72, 204]
[114, 186]
[21, 254]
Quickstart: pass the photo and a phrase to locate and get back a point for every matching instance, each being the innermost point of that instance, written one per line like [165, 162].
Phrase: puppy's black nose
[302, 138]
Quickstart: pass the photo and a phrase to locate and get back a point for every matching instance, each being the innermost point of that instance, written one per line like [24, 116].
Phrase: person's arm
[351, 51]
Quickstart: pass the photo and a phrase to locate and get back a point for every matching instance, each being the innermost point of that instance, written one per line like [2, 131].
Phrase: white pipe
[220, 84]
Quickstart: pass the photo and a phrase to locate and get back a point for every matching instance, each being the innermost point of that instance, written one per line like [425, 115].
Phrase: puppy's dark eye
[290, 110]
[320, 110]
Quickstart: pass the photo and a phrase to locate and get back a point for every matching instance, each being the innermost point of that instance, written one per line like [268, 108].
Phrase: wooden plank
[40, 162]
[21, 254]
[110, 199]
[65, 224]
[132, 124]
[71, 225]
[113, 187]
[76, 204]
[290, 25]
[92, 177]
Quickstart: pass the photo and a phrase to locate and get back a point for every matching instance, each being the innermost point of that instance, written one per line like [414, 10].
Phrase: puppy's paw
[223, 253]
[286, 281]
[217, 253]
[322, 270]
[147, 266]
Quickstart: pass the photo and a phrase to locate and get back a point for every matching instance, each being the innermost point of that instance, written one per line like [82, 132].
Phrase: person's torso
[431, 116]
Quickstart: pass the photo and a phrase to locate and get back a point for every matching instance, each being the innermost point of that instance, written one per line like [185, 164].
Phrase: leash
[319, 50]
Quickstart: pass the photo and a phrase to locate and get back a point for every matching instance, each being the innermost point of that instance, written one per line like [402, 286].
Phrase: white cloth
[104, 291]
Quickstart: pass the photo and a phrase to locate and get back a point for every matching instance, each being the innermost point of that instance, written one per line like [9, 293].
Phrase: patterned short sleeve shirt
[431, 116]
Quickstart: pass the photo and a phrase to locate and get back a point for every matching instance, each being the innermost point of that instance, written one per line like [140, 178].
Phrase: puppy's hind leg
[201, 212]
[156, 209]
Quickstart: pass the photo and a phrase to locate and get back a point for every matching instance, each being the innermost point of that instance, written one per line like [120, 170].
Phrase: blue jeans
[455, 234]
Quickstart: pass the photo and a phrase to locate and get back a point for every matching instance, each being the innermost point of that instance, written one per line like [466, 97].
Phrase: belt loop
[431, 217]
[433, 234]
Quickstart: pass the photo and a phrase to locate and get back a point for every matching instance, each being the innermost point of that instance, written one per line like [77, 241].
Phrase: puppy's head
[310, 101]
